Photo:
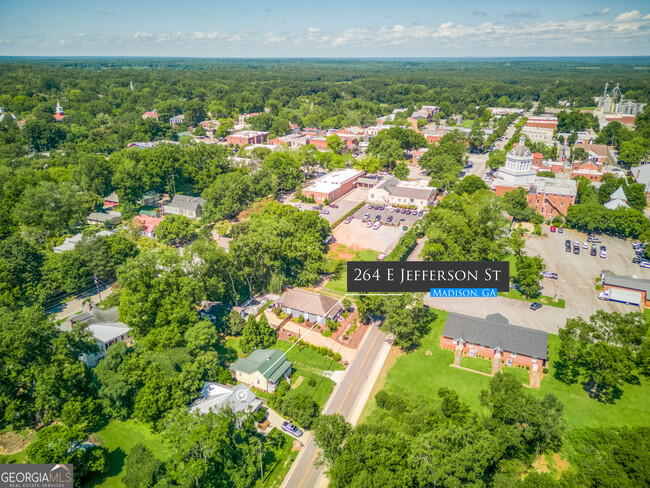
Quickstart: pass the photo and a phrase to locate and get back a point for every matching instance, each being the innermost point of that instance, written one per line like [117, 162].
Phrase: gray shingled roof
[185, 202]
[310, 302]
[627, 282]
[392, 186]
[495, 331]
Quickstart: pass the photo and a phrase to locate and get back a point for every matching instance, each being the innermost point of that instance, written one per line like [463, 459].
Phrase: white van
[377, 225]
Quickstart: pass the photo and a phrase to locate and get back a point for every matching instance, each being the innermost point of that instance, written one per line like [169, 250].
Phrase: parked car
[370, 206]
[377, 217]
[567, 245]
[377, 225]
[603, 252]
[560, 230]
[348, 219]
[382, 256]
[636, 260]
[585, 245]
[325, 212]
[594, 250]
[291, 429]
[333, 205]
[382, 207]
[420, 213]
[366, 216]
[644, 263]
[535, 306]
[389, 219]
[552, 228]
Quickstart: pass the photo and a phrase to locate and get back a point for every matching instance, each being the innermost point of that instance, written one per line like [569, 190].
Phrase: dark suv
[567, 245]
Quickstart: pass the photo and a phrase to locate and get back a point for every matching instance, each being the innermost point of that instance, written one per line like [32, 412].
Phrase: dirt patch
[560, 464]
[296, 446]
[540, 464]
[339, 251]
[297, 383]
[11, 443]
[428, 353]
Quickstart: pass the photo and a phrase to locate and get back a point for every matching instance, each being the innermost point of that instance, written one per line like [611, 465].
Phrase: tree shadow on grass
[116, 460]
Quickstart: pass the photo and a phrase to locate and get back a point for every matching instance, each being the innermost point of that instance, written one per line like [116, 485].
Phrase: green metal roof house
[262, 369]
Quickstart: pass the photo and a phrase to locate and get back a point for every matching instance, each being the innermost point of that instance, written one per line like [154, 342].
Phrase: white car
[585, 246]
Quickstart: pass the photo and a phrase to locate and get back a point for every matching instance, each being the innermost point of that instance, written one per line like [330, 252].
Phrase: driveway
[345, 204]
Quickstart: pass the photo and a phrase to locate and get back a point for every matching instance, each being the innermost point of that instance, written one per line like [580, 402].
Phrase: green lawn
[119, 438]
[307, 364]
[417, 373]
[477, 364]
[339, 283]
[278, 461]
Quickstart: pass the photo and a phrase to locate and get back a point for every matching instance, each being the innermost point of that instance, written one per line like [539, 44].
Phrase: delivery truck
[628, 297]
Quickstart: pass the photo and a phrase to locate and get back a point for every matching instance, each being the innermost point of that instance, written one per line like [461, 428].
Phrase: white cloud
[604, 11]
[628, 16]
[314, 29]
[198, 35]
[142, 35]
[646, 17]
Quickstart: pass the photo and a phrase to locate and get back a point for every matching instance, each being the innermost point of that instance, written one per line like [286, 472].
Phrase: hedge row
[338, 221]
[322, 350]
[404, 247]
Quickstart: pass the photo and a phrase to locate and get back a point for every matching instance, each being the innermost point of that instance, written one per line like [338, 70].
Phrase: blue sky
[380, 28]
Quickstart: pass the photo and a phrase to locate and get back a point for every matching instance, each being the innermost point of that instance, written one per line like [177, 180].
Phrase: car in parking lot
[369, 224]
[560, 230]
[644, 263]
[377, 225]
[548, 274]
[552, 228]
[325, 212]
[567, 245]
[636, 260]
[382, 256]
[535, 306]
[420, 213]
[291, 429]
[389, 219]
[377, 217]
[603, 252]
[333, 205]
[585, 245]
[366, 216]
[594, 250]
[348, 219]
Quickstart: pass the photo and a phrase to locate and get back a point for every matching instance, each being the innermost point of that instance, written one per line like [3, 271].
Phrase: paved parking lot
[357, 236]
[345, 204]
[409, 219]
[577, 273]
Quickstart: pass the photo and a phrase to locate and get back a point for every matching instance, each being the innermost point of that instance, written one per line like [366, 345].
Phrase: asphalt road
[303, 473]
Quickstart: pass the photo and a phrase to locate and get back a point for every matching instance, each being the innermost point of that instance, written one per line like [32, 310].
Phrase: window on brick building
[513, 354]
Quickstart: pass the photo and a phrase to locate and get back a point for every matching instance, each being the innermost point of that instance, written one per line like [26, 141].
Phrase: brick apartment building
[495, 338]
[589, 169]
[246, 137]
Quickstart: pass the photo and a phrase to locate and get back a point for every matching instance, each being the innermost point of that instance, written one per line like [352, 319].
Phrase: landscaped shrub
[337, 357]
[312, 382]
[527, 368]
[545, 370]
[301, 319]
[327, 333]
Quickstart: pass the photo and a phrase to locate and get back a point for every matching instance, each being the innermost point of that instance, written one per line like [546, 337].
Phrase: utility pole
[261, 467]
[172, 184]
[96, 280]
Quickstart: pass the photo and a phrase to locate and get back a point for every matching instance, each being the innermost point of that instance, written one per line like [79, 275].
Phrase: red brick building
[333, 185]
[591, 170]
[245, 137]
[627, 283]
[552, 196]
[495, 338]
[542, 122]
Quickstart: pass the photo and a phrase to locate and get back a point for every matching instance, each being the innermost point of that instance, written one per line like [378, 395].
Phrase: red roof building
[147, 115]
[149, 224]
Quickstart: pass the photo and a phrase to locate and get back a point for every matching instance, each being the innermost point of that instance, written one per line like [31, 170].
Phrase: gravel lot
[577, 272]
[356, 235]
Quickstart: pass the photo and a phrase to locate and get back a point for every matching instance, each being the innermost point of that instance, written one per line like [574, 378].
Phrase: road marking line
[302, 480]
[358, 372]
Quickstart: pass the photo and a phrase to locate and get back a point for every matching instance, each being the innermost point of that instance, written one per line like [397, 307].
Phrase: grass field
[516, 295]
[477, 364]
[339, 283]
[307, 364]
[119, 438]
[416, 373]
[277, 462]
